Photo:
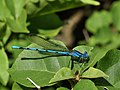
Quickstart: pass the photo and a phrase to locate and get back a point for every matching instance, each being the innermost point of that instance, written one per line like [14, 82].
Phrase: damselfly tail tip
[15, 47]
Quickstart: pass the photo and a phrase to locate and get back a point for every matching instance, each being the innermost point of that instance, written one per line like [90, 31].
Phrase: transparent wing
[46, 43]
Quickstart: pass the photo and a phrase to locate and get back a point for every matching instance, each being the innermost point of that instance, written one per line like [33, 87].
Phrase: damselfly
[53, 49]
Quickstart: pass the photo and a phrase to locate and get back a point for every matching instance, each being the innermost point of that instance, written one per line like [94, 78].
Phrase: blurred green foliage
[17, 18]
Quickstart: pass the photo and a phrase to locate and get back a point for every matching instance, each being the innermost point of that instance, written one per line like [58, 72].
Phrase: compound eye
[85, 52]
[85, 55]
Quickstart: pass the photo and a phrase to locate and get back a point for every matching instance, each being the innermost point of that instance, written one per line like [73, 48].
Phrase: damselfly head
[85, 55]
[84, 58]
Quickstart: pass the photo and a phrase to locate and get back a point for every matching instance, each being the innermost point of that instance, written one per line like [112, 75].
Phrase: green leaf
[13, 13]
[4, 76]
[102, 36]
[47, 7]
[31, 8]
[85, 85]
[43, 26]
[3, 28]
[62, 88]
[83, 48]
[94, 73]
[63, 74]
[18, 87]
[41, 71]
[97, 54]
[50, 32]
[92, 2]
[107, 88]
[4, 33]
[6, 36]
[40, 77]
[5, 11]
[115, 12]
[98, 20]
[43, 22]
[18, 24]
[15, 7]
[3, 87]
[110, 64]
